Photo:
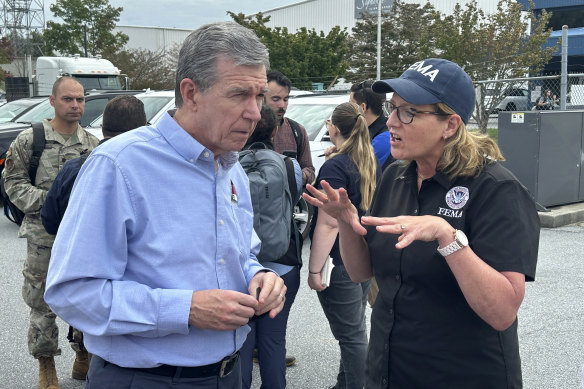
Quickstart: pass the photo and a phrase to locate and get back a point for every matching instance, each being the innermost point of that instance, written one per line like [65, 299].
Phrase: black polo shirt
[423, 332]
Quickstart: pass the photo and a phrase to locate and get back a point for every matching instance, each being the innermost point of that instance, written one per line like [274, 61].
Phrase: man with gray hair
[155, 260]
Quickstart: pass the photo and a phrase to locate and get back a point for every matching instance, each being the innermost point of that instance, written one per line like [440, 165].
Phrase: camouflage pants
[43, 333]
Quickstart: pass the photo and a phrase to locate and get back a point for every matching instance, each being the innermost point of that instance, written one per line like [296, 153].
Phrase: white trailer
[93, 73]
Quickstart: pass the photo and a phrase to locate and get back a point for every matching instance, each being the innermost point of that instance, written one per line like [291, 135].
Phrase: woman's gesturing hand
[411, 228]
[336, 203]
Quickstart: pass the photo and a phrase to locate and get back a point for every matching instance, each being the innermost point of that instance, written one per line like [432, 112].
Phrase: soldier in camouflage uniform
[65, 140]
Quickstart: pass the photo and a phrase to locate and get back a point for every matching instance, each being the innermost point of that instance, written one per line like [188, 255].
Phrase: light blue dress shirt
[149, 222]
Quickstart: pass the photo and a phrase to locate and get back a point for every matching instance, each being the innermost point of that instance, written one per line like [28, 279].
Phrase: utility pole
[379, 39]
[85, 38]
[19, 18]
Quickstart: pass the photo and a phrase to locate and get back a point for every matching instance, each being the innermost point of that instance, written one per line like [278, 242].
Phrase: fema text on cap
[419, 67]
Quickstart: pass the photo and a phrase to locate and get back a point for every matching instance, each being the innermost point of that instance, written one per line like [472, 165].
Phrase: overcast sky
[183, 13]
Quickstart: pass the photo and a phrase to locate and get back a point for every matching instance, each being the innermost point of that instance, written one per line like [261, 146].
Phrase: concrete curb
[562, 215]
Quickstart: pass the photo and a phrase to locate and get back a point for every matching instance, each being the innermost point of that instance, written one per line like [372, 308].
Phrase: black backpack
[298, 135]
[11, 211]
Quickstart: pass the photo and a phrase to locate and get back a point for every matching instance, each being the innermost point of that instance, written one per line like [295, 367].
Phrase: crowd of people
[147, 246]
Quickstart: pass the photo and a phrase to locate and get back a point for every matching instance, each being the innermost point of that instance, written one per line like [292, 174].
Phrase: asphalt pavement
[551, 322]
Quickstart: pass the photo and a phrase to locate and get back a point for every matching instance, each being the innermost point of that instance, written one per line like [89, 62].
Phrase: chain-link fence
[525, 94]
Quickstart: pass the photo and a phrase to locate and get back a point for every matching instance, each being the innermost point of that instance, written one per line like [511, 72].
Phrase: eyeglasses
[406, 114]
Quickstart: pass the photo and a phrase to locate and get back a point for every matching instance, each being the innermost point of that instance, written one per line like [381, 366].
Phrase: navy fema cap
[432, 81]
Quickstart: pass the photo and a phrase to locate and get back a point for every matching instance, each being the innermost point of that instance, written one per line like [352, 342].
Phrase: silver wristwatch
[460, 241]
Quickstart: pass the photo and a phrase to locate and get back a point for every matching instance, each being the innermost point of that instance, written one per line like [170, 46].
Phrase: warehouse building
[323, 15]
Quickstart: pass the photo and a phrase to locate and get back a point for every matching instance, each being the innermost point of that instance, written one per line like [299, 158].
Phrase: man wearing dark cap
[372, 105]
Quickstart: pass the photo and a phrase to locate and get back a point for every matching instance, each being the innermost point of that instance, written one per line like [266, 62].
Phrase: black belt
[221, 369]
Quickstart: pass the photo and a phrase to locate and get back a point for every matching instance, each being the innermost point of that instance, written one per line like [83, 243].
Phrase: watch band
[460, 241]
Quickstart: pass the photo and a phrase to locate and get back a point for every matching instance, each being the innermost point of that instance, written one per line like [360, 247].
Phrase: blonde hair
[349, 119]
[466, 153]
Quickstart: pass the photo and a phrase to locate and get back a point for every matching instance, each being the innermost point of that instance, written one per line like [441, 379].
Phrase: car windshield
[99, 82]
[37, 114]
[311, 116]
[152, 105]
[11, 110]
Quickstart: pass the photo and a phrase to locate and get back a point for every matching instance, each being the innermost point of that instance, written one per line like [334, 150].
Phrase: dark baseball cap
[432, 81]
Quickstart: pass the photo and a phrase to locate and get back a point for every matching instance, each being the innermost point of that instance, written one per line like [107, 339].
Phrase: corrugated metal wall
[322, 15]
[153, 38]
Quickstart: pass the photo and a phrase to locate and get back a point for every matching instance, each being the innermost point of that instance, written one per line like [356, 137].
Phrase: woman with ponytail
[354, 167]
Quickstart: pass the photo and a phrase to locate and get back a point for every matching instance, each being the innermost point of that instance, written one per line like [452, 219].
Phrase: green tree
[406, 37]
[6, 50]
[94, 19]
[488, 47]
[493, 47]
[145, 68]
[6, 55]
[305, 56]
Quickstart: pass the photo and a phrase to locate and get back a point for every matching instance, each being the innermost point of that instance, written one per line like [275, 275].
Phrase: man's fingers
[267, 283]
[221, 309]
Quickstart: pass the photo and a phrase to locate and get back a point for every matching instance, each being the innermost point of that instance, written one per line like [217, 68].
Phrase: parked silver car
[516, 99]
[156, 103]
[312, 111]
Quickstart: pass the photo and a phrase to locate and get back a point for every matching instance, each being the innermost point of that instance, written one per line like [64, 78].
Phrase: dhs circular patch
[457, 197]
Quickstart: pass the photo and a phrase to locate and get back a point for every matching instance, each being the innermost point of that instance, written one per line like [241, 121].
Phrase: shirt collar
[53, 135]
[187, 146]
[411, 174]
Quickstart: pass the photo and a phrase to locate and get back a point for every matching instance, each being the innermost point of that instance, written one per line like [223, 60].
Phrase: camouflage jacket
[19, 188]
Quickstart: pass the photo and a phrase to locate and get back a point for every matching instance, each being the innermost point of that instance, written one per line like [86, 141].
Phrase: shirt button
[415, 211]
[386, 346]
[192, 160]
[221, 221]
[397, 277]
[391, 311]
[206, 154]
[222, 261]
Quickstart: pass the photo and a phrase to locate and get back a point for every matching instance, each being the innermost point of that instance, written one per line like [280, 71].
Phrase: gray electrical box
[545, 149]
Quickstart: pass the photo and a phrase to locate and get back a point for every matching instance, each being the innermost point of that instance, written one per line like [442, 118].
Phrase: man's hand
[272, 295]
[222, 310]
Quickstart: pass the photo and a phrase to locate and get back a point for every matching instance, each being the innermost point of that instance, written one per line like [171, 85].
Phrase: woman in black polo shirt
[451, 238]
[354, 167]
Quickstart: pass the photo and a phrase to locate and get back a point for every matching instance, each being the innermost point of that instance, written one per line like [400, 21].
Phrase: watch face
[461, 237]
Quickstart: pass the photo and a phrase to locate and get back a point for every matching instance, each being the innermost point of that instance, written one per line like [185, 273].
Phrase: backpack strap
[38, 145]
[83, 157]
[256, 146]
[298, 135]
[291, 178]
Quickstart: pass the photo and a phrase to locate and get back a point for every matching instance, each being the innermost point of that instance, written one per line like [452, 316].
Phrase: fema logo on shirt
[457, 197]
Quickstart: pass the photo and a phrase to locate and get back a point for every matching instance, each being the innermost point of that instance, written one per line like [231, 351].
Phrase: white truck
[93, 73]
